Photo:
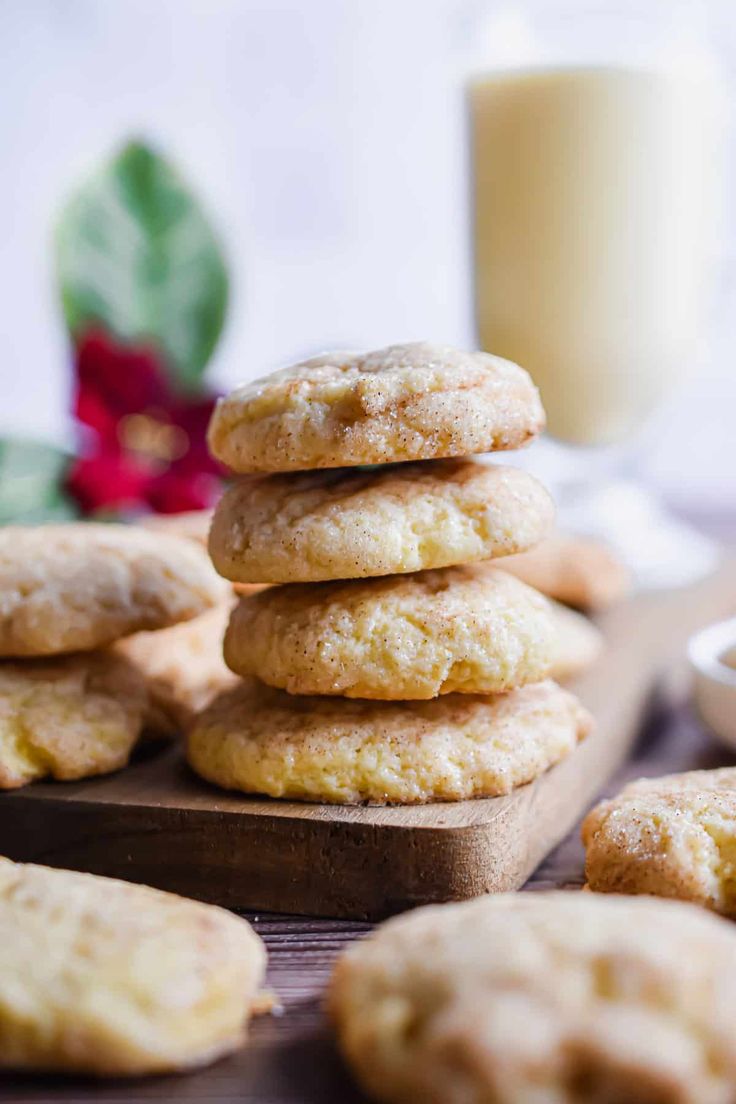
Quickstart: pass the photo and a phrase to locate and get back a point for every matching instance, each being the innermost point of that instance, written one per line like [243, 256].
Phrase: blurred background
[328, 142]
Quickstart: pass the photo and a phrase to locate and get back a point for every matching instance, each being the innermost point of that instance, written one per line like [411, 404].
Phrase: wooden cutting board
[156, 823]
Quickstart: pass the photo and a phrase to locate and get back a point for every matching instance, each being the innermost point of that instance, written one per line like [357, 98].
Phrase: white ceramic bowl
[712, 655]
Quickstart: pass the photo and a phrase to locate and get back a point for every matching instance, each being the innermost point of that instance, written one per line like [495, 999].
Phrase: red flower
[147, 448]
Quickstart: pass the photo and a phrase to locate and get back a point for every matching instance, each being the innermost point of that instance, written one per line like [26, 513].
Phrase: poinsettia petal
[194, 415]
[197, 459]
[92, 411]
[107, 481]
[124, 379]
[115, 384]
[175, 492]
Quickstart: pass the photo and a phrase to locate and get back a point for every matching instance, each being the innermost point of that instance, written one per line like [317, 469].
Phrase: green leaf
[32, 482]
[136, 253]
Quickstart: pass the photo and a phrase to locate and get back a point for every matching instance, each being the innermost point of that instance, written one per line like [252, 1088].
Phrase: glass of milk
[595, 180]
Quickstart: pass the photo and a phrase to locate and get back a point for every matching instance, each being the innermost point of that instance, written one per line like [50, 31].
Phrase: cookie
[578, 571]
[194, 524]
[555, 998]
[264, 741]
[406, 402]
[349, 523]
[183, 665]
[671, 837]
[70, 717]
[74, 587]
[467, 629]
[578, 642]
[102, 977]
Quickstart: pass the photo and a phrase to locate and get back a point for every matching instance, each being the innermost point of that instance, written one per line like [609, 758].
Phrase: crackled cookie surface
[542, 998]
[328, 749]
[74, 587]
[468, 629]
[406, 402]
[183, 665]
[346, 523]
[102, 977]
[70, 717]
[673, 836]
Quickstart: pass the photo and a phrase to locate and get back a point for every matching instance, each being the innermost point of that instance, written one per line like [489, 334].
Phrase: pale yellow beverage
[593, 236]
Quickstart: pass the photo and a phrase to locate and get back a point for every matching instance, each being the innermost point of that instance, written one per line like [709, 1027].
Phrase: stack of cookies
[394, 665]
[70, 706]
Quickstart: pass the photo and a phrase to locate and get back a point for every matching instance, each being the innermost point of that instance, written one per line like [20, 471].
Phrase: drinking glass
[595, 133]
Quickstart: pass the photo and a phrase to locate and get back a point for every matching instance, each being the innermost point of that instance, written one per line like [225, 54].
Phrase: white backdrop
[327, 137]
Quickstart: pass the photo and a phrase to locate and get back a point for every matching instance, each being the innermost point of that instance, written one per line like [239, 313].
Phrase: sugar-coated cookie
[71, 717]
[183, 665]
[351, 523]
[578, 571]
[471, 629]
[78, 586]
[264, 741]
[578, 642]
[542, 998]
[102, 977]
[194, 524]
[406, 402]
[673, 836]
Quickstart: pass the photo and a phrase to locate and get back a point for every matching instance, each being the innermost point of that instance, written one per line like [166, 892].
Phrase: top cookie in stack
[368, 483]
[406, 402]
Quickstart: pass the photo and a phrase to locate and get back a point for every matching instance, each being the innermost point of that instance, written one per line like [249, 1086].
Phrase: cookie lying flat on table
[70, 717]
[102, 977]
[346, 523]
[328, 749]
[193, 524]
[74, 587]
[542, 998]
[672, 837]
[468, 629]
[578, 642]
[183, 665]
[406, 402]
[578, 571]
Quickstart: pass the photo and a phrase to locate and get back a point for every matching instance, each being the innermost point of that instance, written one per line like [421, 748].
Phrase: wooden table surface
[290, 1057]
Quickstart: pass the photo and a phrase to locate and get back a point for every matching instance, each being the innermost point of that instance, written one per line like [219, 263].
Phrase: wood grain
[156, 823]
[290, 1059]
